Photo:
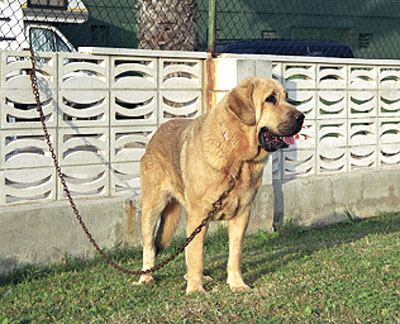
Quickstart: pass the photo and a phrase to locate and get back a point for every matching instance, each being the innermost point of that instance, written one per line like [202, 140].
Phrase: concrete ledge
[142, 52]
[43, 233]
[319, 201]
[262, 212]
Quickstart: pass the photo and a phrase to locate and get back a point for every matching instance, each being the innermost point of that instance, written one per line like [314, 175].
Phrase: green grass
[347, 273]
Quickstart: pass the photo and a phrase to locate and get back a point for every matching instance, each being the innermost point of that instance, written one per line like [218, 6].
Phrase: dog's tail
[170, 218]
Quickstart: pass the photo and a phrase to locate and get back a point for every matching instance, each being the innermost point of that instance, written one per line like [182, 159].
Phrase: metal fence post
[211, 25]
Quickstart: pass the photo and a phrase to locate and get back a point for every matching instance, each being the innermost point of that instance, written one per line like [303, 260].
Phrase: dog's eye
[271, 99]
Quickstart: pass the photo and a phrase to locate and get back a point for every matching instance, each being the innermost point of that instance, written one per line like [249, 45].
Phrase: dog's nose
[299, 117]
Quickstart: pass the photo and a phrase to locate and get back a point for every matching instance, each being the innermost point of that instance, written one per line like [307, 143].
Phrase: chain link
[216, 206]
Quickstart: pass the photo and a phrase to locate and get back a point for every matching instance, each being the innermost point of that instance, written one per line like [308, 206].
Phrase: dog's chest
[242, 195]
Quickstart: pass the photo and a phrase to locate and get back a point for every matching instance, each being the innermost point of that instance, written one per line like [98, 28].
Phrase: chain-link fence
[351, 28]
[359, 28]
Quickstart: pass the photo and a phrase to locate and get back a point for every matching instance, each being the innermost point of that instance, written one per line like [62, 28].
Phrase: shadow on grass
[292, 242]
[31, 272]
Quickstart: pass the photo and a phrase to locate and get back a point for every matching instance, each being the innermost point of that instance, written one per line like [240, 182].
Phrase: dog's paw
[144, 280]
[196, 289]
[240, 288]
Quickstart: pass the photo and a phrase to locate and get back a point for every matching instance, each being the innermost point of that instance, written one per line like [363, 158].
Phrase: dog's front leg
[195, 255]
[236, 229]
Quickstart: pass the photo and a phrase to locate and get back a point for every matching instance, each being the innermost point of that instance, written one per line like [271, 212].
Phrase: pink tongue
[289, 140]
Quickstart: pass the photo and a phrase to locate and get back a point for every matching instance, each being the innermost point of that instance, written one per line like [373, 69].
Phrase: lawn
[346, 273]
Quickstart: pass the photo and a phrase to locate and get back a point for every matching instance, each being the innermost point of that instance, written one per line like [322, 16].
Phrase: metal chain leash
[216, 206]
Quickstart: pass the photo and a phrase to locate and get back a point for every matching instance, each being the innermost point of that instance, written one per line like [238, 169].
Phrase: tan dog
[188, 164]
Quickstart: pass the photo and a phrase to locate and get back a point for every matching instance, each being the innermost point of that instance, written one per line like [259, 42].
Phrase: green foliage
[345, 273]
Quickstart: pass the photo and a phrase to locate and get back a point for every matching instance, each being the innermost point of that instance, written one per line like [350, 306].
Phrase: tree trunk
[167, 24]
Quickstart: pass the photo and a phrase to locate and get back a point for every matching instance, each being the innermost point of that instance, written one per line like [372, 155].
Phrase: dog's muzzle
[271, 142]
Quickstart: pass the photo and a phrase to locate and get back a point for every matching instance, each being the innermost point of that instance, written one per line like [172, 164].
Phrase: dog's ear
[240, 103]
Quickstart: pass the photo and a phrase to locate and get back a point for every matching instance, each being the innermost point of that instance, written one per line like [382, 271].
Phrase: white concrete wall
[101, 110]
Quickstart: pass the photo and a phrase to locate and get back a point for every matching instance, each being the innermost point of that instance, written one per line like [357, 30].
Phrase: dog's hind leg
[152, 208]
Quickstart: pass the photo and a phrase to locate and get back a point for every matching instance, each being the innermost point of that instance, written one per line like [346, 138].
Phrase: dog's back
[167, 140]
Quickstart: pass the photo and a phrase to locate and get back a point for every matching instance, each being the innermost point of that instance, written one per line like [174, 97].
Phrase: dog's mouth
[271, 142]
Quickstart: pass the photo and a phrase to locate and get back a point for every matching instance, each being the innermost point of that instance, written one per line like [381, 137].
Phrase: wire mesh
[352, 28]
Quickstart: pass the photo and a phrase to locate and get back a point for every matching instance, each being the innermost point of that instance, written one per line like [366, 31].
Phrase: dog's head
[262, 103]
